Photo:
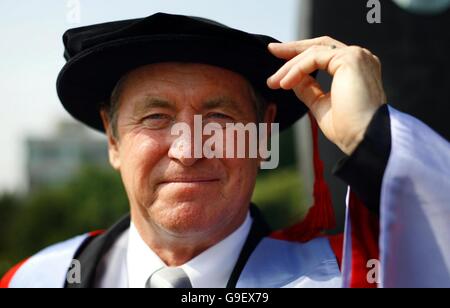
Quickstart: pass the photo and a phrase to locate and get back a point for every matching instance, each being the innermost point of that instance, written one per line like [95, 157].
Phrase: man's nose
[184, 145]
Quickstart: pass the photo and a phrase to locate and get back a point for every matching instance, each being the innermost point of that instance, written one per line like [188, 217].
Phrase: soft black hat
[99, 55]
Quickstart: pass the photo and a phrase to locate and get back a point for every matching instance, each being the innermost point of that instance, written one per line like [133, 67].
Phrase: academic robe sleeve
[398, 205]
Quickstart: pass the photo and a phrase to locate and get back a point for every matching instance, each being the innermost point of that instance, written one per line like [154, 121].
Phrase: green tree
[92, 200]
[279, 195]
[9, 209]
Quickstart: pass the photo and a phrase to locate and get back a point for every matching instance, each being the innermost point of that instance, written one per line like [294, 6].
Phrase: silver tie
[169, 277]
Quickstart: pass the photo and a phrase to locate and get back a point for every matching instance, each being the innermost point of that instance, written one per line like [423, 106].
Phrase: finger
[284, 51]
[291, 49]
[309, 91]
[274, 81]
[310, 62]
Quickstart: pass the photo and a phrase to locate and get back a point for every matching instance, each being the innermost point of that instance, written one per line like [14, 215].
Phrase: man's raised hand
[344, 113]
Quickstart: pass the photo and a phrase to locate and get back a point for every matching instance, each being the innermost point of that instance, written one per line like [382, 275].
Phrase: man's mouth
[190, 181]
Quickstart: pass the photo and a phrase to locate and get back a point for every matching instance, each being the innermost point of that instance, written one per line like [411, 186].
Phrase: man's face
[170, 190]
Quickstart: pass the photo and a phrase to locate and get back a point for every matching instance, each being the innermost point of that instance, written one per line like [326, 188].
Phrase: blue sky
[31, 56]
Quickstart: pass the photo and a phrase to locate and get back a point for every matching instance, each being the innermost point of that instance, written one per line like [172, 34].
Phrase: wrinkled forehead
[181, 82]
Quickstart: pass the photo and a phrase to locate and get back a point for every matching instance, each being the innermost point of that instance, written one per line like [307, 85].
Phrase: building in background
[53, 161]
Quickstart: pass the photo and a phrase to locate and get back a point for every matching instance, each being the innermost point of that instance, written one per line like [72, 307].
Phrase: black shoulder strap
[258, 231]
[93, 249]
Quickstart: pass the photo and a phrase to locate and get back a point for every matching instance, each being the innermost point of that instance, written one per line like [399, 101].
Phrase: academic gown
[397, 222]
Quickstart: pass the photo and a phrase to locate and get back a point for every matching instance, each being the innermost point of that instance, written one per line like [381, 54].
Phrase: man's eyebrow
[223, 102]
[152, 102]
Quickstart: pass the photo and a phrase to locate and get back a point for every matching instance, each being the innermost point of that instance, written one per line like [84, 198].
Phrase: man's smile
[189, 181]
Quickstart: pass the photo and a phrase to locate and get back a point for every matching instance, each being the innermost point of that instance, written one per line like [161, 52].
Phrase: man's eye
[218, 116]
[157, 120]
[156, 116]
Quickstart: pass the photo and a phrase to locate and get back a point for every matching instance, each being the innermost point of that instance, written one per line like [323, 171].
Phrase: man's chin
[184, 192]
[185, 217]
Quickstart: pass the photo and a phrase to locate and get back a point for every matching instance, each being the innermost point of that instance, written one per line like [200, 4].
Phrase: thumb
[309, 91]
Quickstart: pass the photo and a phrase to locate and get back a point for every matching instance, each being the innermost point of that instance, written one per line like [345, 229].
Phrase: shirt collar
[210, 269]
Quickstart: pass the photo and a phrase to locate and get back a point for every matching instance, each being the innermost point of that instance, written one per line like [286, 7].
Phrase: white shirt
[130, 262]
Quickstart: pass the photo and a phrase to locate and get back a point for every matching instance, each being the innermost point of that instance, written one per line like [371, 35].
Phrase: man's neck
[178, 249]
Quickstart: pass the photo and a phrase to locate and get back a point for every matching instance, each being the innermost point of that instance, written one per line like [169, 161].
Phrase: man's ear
[271, 112]
[269, 118]
[113, 143]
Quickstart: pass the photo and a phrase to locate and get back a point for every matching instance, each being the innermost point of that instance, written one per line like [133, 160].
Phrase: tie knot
[169, 277]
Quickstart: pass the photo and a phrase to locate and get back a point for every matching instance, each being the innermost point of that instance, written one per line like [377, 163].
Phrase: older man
[192, 223]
